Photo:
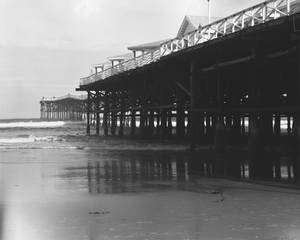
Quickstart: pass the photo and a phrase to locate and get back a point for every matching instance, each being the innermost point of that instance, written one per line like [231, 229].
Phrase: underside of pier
[239, 95]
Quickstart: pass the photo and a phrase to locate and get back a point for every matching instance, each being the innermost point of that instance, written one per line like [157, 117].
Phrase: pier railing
[130, 64]
[258, 14]
[249, 17]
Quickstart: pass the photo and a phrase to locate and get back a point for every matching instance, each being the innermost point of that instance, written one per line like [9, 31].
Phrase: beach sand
[75, 187]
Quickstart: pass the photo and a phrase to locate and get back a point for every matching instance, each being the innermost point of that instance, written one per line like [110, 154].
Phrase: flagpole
[209, 12]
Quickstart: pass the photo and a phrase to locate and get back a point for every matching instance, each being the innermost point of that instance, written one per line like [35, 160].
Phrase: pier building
[65, 108]
[231, 86]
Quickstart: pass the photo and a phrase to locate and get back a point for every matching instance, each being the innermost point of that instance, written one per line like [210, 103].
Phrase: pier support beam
[143, 109]
[296, 121]
[220, 137]
[260, 123]
[192, 119]
[180, 117]
[277, 132]
[255, 146]
[220, 142]
[122, 116]
[163, 123]
[255, 141]
[88, 109]
[168, 130]
[151, 123]
[143, 120]
[113, 116]
[208, 128]
[236, 129]
[260, 164]
[133, 122]
[105, 115]
[97, 102]
[267, 130]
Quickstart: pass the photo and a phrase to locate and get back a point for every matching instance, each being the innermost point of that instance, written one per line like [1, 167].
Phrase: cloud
[86, 8]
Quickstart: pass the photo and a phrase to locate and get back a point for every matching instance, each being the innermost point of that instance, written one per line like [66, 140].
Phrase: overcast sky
[47, 45]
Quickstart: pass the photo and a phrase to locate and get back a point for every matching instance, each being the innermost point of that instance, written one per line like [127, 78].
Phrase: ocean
[57, 183]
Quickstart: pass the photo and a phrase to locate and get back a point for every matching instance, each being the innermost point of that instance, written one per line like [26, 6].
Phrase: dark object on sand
[99, 212]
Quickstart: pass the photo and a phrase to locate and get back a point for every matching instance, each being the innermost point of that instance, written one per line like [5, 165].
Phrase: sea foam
[32, 124]
[29, 139]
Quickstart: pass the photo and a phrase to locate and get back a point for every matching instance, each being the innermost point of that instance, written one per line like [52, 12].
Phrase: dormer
[140, 49]
[98, 67]
[115, 60]
[191, 23]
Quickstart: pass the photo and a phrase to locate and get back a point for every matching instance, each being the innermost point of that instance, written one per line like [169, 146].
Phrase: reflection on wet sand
[1, 217]
[134, 171]
[132, 175]
[138, 171]
[135, 194]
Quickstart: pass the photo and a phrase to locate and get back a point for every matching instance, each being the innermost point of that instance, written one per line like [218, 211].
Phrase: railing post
[188, 40]
[252, 20]
[233, 25]
[171, 48]
[162, 50]
[264, 12]
[243, 20]
[275, 9]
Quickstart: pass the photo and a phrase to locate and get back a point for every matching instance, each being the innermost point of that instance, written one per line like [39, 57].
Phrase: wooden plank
[246, 59]
[179, 85]
[280, 109]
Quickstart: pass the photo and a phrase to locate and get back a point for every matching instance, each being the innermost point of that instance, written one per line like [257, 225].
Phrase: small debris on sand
[214, 192]
[99, 212]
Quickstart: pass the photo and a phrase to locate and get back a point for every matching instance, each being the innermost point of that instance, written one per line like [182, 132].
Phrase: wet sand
[110, 193]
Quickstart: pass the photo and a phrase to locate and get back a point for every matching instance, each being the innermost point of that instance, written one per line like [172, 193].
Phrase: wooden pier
[65, 108]
[232, 85]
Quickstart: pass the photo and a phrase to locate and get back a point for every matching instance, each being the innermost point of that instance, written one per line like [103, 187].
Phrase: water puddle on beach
[69, 186]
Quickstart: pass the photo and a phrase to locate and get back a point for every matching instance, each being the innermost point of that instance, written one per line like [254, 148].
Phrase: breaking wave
[32, 124]
[20, 147]
[28, 139]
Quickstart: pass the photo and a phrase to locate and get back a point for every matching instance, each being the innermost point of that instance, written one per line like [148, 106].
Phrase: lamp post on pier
[209, 12]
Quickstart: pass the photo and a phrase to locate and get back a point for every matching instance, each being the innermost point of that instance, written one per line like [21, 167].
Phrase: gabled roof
[147, 46]
[191, 23]
[66, 97]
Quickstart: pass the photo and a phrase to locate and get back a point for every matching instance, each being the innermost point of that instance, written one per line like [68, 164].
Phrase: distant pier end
[65, 108]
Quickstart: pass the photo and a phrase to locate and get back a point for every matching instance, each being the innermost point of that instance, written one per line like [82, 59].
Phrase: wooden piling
[88, 108]
[192, 120]
[180, 128]
[133, 122]
[122, 116]
[296, 120]
[97, 102]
